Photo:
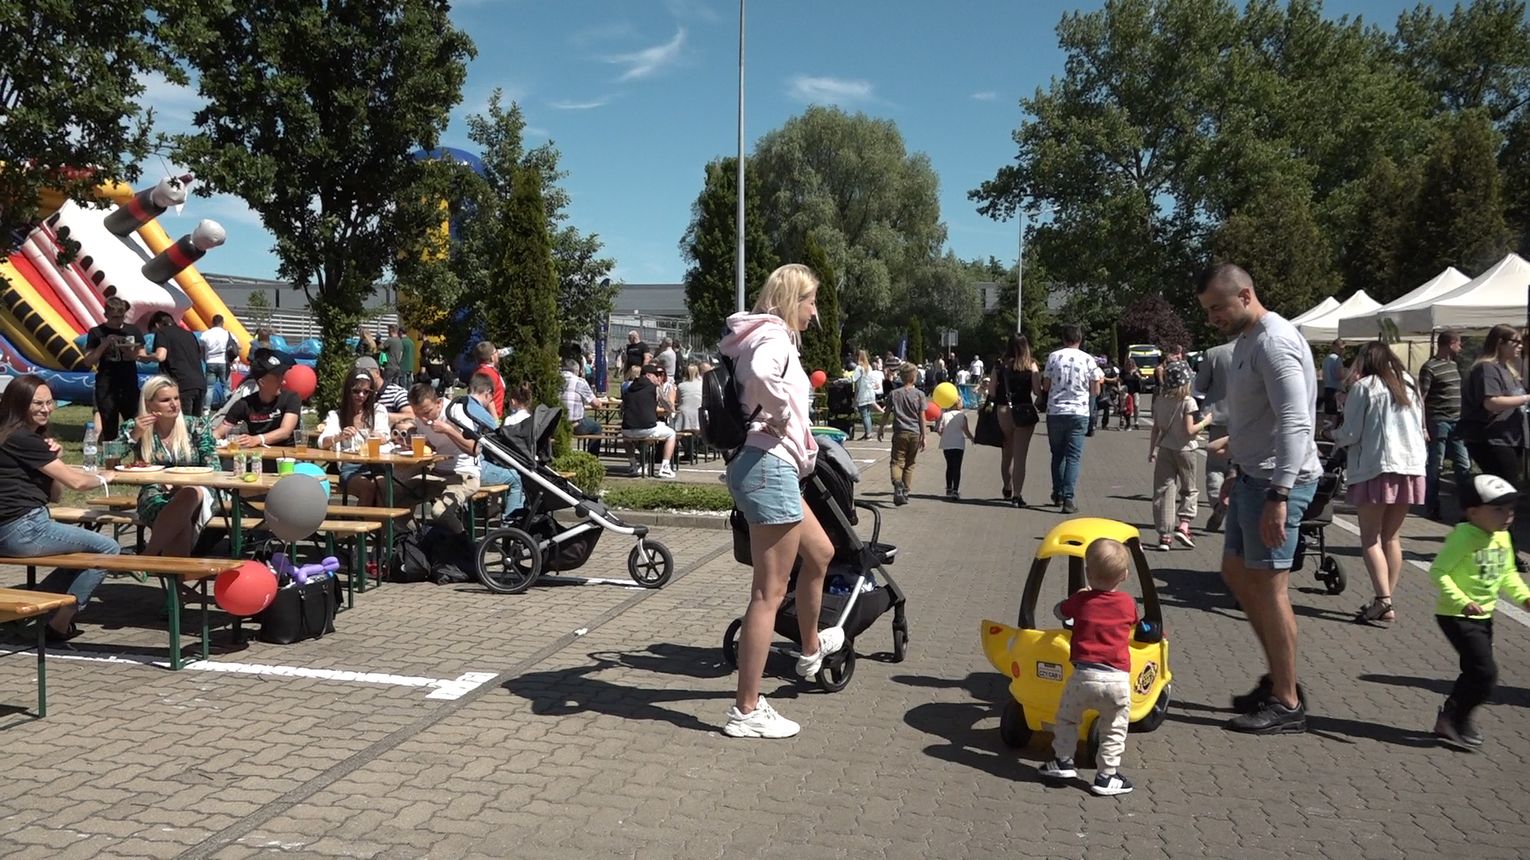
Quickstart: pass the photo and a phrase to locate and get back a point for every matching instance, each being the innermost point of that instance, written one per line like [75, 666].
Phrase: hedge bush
[659, 496]
[589, 472]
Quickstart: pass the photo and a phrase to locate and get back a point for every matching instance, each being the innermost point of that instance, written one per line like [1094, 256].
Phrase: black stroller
[856, 568]
[534, 542]
[1311, 534]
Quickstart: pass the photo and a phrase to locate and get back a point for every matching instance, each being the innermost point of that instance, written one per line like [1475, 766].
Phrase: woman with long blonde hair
[865, 386]
[764, 478]
[1013, 389]
[159, 436]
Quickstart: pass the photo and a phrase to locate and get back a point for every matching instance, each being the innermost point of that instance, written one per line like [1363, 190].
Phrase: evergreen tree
[709, 246]
[820, 343]
[519, 301]
[1458, 217]
[915, 340]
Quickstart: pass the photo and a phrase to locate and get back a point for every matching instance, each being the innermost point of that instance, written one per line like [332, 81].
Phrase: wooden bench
[94, 518]
[17, 604]
[172, 573]
[333, 530]
[114, 503]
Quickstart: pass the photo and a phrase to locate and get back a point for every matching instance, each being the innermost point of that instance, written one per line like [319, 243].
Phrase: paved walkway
[595, 731]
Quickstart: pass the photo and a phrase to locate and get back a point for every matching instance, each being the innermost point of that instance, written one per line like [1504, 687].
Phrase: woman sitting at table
[31, 475]
[159, 436]
[346, 429]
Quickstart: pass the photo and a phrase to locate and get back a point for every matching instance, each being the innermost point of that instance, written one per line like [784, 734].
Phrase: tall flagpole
[738, 253]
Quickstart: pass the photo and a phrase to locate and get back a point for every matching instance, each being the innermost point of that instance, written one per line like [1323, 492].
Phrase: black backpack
[723, 425]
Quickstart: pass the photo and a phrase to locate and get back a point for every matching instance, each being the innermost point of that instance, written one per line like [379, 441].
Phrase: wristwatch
[1276, 494]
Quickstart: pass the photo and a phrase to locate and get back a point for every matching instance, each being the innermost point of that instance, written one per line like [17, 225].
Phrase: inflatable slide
[46, 307]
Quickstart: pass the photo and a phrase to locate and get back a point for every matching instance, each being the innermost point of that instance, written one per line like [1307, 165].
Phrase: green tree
[1276, 238]
[820, 343]
[71, 79]
[709, 242]
[312, 111]
[518, 301]
[1458, 217]
[1478, 57]
[849, 182]
[915, 340]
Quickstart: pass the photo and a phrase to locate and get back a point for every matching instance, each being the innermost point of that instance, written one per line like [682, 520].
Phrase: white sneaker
[666, 472]
[829, 642]
[762, 722]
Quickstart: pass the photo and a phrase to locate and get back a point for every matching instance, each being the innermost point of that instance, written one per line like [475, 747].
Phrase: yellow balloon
[946, 395]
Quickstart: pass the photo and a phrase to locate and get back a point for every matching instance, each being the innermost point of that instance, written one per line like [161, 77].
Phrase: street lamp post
[738, 252]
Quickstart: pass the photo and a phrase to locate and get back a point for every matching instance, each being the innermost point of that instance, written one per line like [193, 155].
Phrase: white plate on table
[149, 468]
[189, 470]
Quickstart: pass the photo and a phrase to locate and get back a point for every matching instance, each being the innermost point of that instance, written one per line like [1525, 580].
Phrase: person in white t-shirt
[215, 348]
[975, 371]
[1071, 383]
[954, 434]
[456, 477]
[963, 376]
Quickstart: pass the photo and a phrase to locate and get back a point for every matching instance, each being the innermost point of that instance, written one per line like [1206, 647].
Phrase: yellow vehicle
[1035, 659]
[1147, 358]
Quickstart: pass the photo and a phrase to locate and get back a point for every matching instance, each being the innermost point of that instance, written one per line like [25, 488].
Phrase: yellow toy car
[1036, 659]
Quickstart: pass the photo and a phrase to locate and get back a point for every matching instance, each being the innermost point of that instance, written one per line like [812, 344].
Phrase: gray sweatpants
[1106, 691]
[1174, 488]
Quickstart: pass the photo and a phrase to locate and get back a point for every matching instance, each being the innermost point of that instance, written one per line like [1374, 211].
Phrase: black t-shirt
[640, 405]
[183, 357]
[635, 353]
[119, 363]
[263, 416]
[1478, 425]
[23, 486]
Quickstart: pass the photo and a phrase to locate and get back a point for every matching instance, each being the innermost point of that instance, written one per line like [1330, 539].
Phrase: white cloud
[173, 104]
[645, 63]
[565, 104]
[985, 96]
[830, 90]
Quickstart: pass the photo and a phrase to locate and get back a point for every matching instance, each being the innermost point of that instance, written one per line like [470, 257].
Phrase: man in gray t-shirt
[1210, 389]
[1271, 400]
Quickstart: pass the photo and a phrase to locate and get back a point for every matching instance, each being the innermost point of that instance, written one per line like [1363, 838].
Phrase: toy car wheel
[900, 645]
[650, 564]
[838, 669]
[1154, 717]
[509, 561]
[1013, 730]
[1332, 575]
[730, 642]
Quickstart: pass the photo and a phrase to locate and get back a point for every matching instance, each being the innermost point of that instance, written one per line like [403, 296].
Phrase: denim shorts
[1244, 508]
[765, 488]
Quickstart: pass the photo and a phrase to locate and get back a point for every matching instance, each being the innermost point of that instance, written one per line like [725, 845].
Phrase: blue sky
[639, 95]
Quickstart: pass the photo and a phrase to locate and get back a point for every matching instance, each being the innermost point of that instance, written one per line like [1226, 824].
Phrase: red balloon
[932, 411]
[818, 378]
[245, 590]
[300, 380]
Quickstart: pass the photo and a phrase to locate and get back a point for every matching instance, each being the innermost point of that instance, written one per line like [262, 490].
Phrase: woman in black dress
[1013, 388]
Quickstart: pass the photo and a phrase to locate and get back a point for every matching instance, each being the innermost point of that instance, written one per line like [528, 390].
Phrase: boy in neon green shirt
[1474, 565]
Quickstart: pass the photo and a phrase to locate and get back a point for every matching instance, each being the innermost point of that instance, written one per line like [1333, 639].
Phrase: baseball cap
[366, 362]
[265, 361]
[652, 368]
[1488, 490]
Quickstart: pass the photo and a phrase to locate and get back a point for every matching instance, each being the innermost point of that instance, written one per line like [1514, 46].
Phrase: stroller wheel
[1013, 730]
[509, 561]
[900, 643]
[730, 642]
[838, 669]
[1331, 573]
[650, 564]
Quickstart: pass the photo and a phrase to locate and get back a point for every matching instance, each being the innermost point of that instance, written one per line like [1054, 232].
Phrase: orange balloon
[932, 411]
[245, 590]
[818, 378]
[301, 380]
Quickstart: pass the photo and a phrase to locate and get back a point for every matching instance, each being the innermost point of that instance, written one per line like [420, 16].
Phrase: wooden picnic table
[16, 604]
[214, 480]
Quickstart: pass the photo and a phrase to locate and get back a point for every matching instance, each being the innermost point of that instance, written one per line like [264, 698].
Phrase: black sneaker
[1056, 499]
[1111, 784]
[1214, 522]
[1272, 718]
[1068, 507]
[1467, 730]
[1449, 733]
[1249, 702]
[1058, 768]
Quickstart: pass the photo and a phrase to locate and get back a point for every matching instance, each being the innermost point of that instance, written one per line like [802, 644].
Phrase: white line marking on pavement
[1513, 612]
[591, 580]
[441, 688]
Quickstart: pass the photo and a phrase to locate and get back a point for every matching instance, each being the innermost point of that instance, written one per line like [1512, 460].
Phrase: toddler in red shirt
[1103, 619]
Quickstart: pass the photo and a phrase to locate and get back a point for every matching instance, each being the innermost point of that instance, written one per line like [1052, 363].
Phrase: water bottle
[89, 456]
[239, 464]
[302, 430]
[206, 417]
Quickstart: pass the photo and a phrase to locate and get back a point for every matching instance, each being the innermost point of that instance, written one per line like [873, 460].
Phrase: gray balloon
[295, 507]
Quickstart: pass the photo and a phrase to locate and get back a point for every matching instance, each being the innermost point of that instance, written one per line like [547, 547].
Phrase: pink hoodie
[761, 349]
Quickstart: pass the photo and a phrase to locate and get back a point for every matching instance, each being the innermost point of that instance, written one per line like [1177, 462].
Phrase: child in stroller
[511, 558]
[853, 599]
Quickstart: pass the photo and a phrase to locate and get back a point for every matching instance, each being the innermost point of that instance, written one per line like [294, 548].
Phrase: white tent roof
[1326, 326]
[1316, 310]
[1498, 295]
[1369, 325]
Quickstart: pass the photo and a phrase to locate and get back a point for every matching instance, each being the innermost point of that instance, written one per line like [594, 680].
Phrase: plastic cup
[285, 466]
[417, 445]
[374, 446]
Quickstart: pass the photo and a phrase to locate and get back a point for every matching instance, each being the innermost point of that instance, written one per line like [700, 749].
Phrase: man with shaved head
[1271, 413]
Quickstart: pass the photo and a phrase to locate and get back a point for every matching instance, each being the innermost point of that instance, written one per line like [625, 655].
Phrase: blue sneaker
[1109, 785]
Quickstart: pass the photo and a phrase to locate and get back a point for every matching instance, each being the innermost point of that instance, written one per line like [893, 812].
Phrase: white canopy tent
[1498, 295]
[1316, 310]
[1368, 326]
[1325, 327]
